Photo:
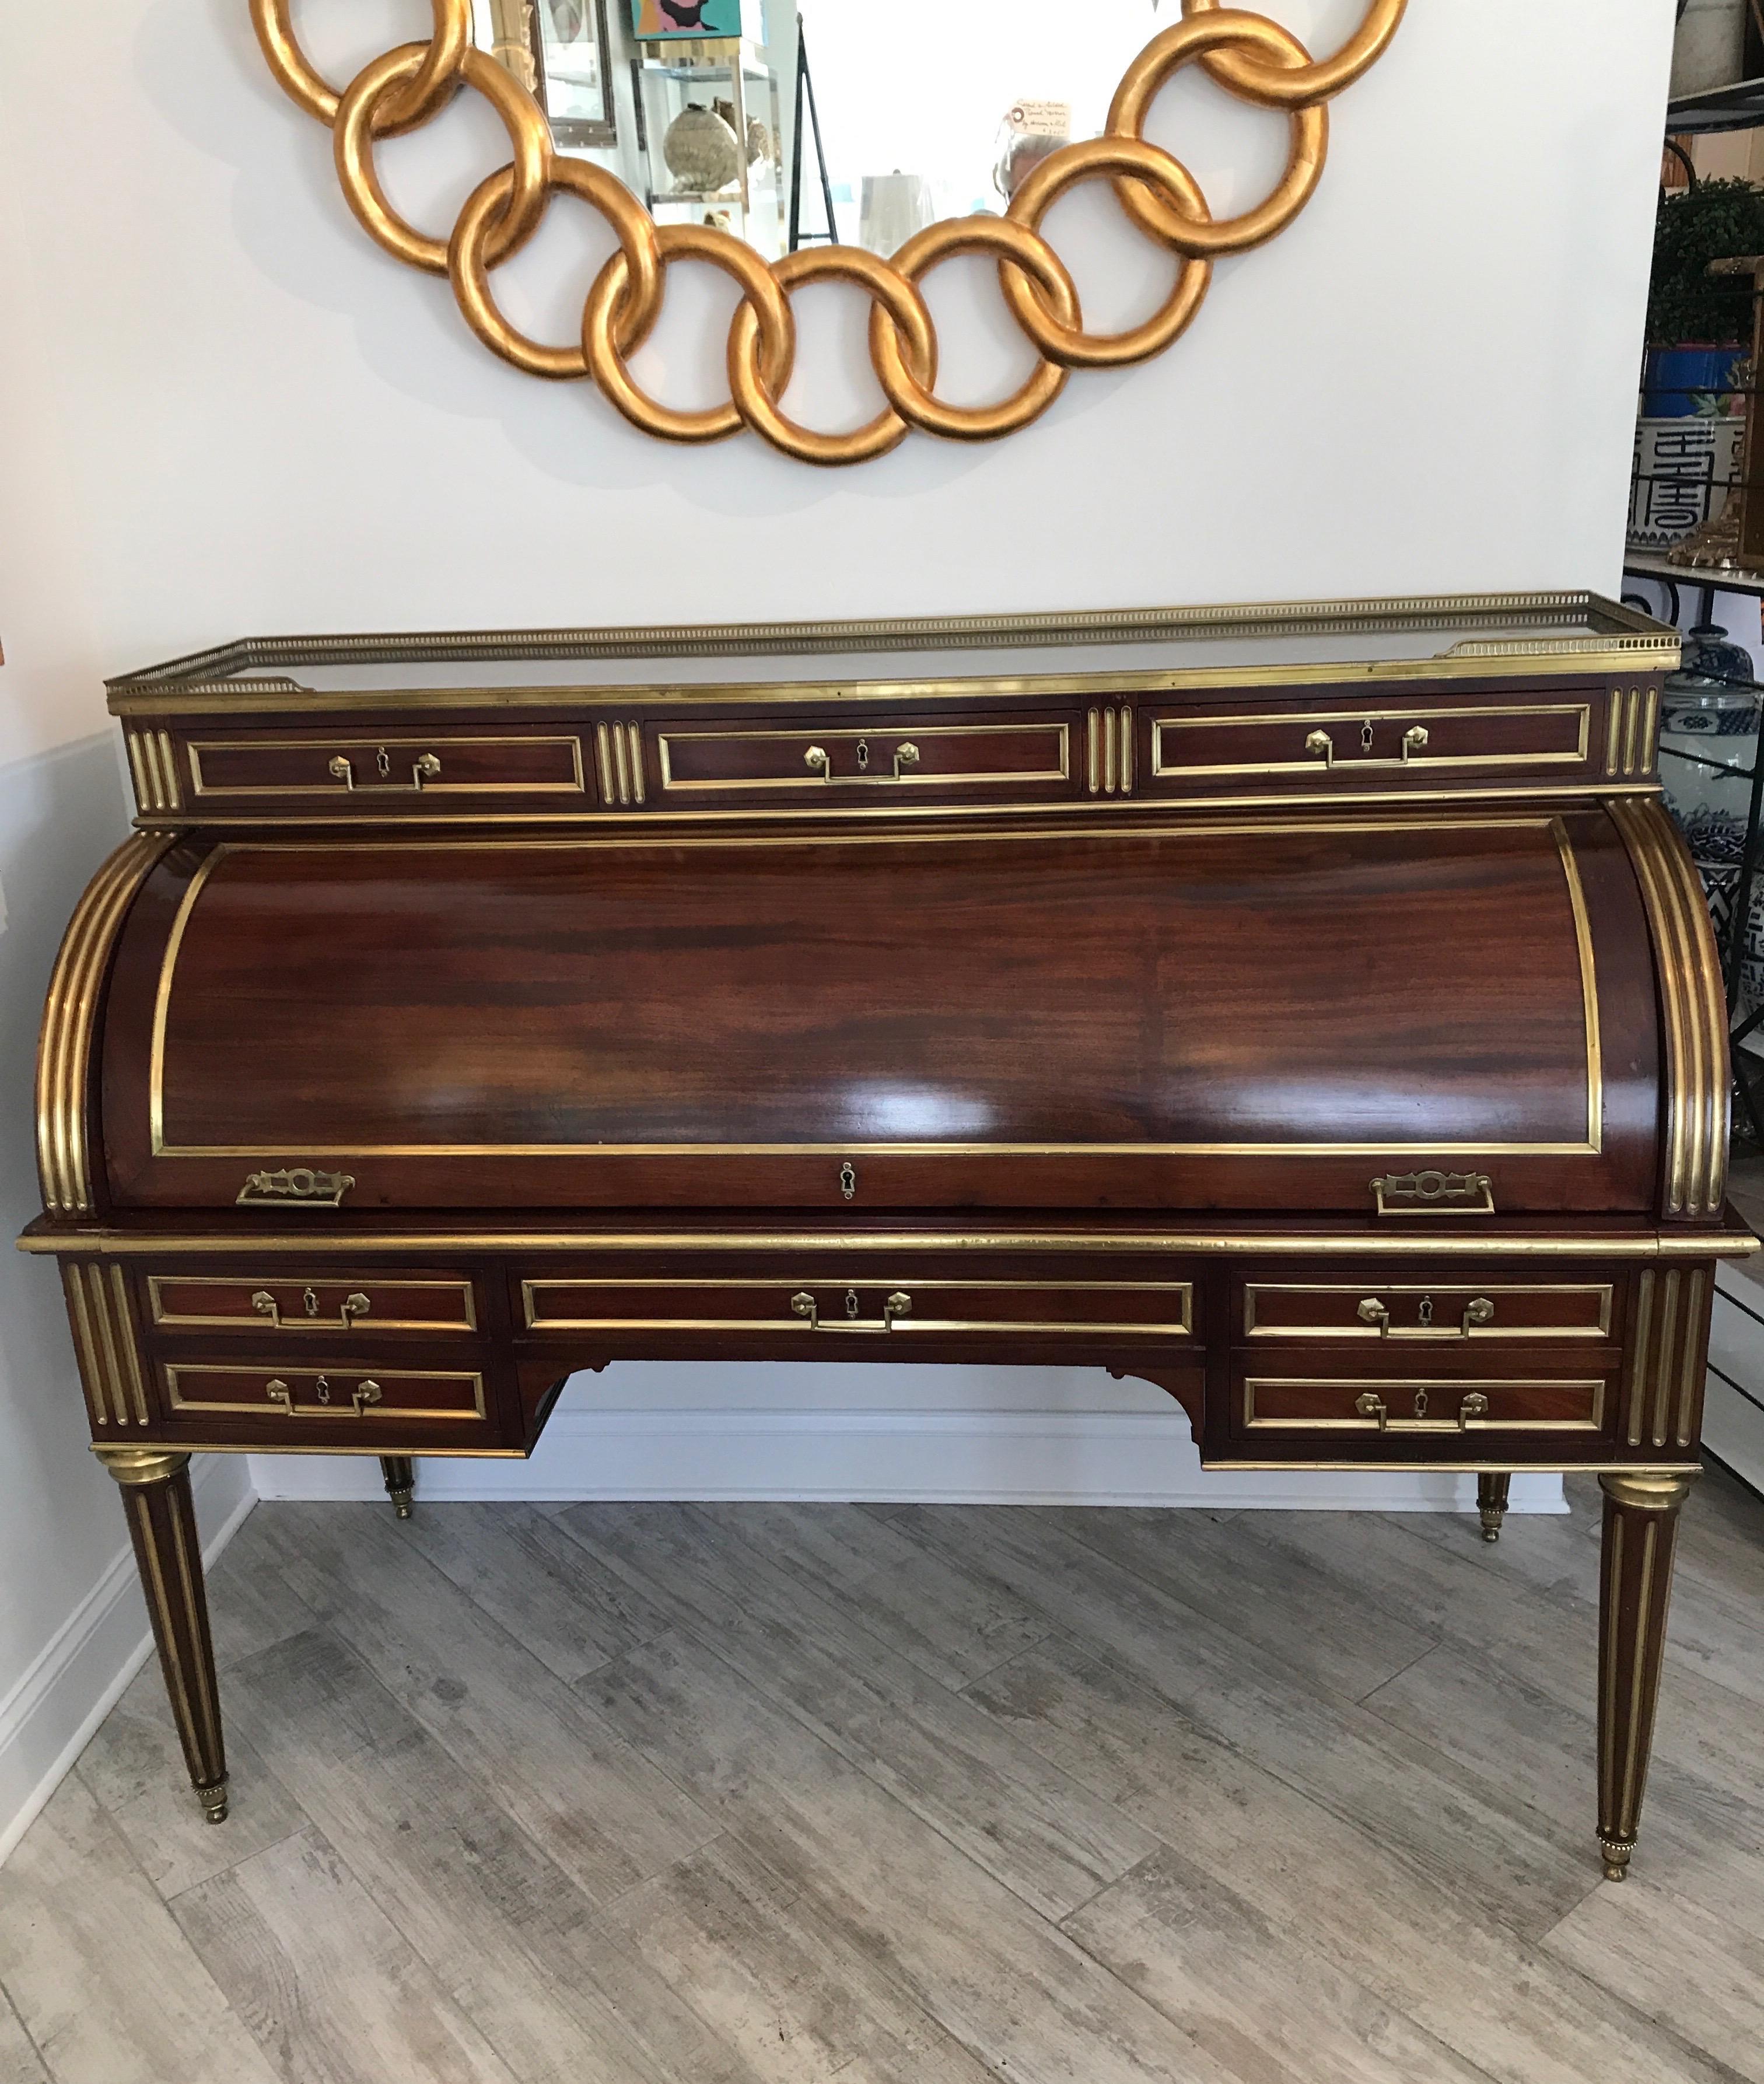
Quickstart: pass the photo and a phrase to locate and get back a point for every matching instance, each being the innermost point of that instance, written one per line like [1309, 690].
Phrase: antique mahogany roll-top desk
[1310, 1010]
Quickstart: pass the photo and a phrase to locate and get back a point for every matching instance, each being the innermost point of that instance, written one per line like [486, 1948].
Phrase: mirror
[915, 112]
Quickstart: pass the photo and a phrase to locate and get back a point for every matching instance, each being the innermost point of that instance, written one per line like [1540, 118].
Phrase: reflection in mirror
[844, 121]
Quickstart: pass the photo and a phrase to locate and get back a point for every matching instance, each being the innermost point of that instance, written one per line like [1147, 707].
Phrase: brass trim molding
[1631, 730]
[1688, 965]
[1181, 1293]
[366, 796]
[1594, 1422]
[1481, 1334]
[64, 1054]
[174, 1371]
[1626, 642]
[1054, 727]
[134, 1466]
[1485, 1246]
[364, 1325]
[1389, 1152]
[1420, 762]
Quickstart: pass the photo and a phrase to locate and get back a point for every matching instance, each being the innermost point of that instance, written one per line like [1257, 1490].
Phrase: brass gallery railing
[1253, 58]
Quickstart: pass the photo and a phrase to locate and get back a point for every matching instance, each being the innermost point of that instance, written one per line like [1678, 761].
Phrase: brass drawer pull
[1370, 1404]
[300, 1185]
[895, 1307]
[364, 1394]
[1321, 746]
[819, 761]
[354, 1305]
[1433, 1193]
[424, 768]
[1477, 1311]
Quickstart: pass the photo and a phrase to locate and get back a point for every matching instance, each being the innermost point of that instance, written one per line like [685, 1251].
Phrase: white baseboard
[944, 1457]
[48, 1716]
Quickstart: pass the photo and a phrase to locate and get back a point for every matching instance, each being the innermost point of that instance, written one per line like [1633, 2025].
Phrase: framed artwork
[651, 19]
[558, 50]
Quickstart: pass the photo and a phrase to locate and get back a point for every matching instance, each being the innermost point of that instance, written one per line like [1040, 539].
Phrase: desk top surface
[1491, 634]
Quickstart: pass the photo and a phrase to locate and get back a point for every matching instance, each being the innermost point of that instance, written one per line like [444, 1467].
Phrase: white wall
[71, 1623]
[221, 409]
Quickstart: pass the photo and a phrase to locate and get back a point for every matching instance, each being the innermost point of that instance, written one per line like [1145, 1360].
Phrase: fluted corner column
[168, 1553]
[1641, 1532]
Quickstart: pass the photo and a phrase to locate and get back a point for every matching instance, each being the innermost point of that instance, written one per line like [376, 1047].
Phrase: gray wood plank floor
[775, 1794]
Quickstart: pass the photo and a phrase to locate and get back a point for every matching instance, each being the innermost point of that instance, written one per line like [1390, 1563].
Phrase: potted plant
[1699, 325]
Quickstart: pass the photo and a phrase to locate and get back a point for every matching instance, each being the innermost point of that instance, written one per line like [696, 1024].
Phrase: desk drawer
[304, 1397]
[1445, 1412]
[1408, 1310]
[372, 774]
[894, 1303]
[828, 761]
[366, 1306]
[1345, 748]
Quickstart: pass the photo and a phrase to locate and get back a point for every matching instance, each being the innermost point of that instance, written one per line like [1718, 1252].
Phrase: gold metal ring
[1165, 55]
[765, 306]
[434, 85]
[468, 268]
[1014, 246]
[757, 396]
[1067, 344]
[1318, 80]
[529, 135]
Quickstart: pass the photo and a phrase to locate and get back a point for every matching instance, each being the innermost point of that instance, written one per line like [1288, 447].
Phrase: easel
[805, 88]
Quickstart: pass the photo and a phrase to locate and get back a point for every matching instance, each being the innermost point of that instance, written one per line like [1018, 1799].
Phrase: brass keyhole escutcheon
[863, 756]
[848, 1179]
[310, 1300]
[382, 759]
[1366, 736]
[1426, 1309]
[1420, 1404]
[324, 1390]
[851, 1304]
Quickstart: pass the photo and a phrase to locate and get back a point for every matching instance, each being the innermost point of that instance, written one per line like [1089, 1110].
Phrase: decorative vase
[1697, 378]
[703, 153]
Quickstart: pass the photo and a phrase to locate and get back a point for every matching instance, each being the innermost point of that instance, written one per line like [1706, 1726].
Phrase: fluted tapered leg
[1641, 1531]
[161, 1524]
[399, 1472]
[1492, 1491]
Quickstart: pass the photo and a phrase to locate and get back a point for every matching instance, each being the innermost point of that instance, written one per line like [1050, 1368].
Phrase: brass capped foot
[214, 1801]
[399, 1472]
[1617, 1852]
[1492, 1503]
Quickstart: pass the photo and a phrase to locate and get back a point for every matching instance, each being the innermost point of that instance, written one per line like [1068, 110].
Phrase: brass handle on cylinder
[1322, 747]
[1414, 738]
[905, 756]
[817, 762]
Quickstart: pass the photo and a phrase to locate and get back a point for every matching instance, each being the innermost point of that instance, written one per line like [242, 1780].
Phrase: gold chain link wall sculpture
[1251, 57]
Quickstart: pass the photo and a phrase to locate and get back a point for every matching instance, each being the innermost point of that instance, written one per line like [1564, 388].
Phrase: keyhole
[1366, 736]
[311, 1298]
[324, 1390]
[863, 754]
[847, 1180]
[1420, 1404]
[382, 759]
[1426, 1309]
[851, 1302]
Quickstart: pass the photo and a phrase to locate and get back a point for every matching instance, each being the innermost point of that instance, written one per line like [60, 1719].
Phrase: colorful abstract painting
[685, 17]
